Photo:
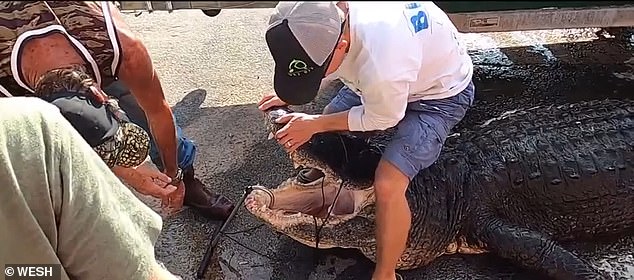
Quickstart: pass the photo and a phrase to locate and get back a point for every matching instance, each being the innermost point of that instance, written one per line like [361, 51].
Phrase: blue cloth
[421, 134]
[186, 150]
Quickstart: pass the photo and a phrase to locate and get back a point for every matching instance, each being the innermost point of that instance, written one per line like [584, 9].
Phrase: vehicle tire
[211, 13]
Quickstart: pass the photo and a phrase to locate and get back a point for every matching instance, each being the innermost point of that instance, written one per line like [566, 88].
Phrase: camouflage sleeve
[128, 148]
[66, 205]
[104, 126]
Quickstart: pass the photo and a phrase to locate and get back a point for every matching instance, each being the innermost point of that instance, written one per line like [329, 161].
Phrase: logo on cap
[298, 67]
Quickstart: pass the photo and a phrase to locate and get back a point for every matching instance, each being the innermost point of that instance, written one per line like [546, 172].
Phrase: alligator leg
[534, 250]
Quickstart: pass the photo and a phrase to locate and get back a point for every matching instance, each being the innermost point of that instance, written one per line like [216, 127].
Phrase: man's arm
[333, 122]
[145, 183]
[138, 73]
[383, 107]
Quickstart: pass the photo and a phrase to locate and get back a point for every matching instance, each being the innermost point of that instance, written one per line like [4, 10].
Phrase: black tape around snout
[274, 113]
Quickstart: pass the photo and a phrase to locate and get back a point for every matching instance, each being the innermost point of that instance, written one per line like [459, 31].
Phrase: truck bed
[468, 16]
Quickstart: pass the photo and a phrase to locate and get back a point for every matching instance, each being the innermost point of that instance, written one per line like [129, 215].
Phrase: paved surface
[213, 71]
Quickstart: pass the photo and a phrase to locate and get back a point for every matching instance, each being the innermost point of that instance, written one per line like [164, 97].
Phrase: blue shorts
[421, 134]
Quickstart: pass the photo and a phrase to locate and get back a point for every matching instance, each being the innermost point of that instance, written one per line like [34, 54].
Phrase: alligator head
[332, 211]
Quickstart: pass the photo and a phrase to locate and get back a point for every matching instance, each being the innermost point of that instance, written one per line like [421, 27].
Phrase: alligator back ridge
[566, 171]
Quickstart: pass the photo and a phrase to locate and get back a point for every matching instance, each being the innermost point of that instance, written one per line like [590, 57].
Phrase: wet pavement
[214, 70]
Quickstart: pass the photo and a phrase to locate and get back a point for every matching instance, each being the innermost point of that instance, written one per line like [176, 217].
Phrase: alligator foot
[536, 251]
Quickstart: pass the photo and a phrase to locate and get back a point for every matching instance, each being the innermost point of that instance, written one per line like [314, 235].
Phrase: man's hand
[298, 130]
[146, 181]
[147, 171]
[176, 198]
[270, 100]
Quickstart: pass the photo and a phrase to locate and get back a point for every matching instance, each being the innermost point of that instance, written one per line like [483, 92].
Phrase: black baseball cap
[301, 38]
[92, 119]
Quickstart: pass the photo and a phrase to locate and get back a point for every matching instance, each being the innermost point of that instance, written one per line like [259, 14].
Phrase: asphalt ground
[214, 70]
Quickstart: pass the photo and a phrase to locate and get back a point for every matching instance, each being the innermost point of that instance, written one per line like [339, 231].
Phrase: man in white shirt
[402, 65]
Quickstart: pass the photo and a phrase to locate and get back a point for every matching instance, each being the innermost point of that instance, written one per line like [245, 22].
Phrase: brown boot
[210, 205]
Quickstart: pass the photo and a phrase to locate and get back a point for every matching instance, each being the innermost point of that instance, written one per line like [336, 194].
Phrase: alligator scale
[519, 186]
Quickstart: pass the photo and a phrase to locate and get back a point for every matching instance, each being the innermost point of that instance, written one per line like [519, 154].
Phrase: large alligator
[519, 186]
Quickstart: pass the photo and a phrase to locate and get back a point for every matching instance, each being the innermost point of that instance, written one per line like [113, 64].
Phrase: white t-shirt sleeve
[383, 107]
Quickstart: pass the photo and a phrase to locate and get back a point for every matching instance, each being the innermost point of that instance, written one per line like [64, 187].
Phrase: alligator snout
[272, 115]
[338, 157]
[304, 156]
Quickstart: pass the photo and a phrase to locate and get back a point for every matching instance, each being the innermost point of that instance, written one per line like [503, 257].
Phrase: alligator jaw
[292, 206]
[285, 207]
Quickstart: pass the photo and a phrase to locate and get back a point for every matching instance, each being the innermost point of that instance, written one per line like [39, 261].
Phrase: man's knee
[337, 105]
[390, 181]
[186, 148]
[385, 191]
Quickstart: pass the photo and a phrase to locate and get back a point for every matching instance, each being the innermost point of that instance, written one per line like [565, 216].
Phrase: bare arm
[333, 122]
[138, 73]
[384, 106]
[144, 183]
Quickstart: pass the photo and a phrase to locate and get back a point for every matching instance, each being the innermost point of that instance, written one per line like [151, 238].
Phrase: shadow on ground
[250, 251]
